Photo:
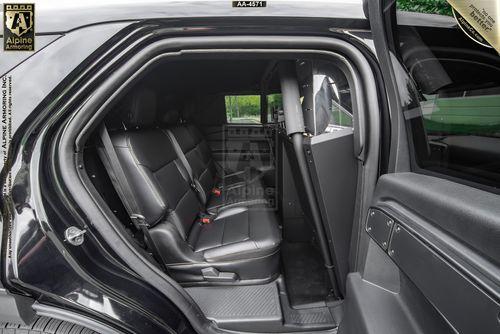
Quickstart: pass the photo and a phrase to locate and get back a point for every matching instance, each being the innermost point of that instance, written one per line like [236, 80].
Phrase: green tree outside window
[441, 7]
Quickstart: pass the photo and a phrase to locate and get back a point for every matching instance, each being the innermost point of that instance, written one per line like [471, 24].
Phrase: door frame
[82, 120]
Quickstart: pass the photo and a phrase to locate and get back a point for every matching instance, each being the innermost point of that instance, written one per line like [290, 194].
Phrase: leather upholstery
[156, 177]
[241, 239]
[242, 194]
[142, 112]
[236, 233]
[202, 165]
[244, 188]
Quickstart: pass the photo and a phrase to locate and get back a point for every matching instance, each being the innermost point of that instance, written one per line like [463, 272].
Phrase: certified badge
[19, 27]
[479, 20]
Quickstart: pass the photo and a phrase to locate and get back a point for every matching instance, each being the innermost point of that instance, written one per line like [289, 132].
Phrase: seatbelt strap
[120, 182]
[195, 185]
[179, 152]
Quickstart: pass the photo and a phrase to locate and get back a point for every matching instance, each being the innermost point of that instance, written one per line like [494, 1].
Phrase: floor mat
[305, 276]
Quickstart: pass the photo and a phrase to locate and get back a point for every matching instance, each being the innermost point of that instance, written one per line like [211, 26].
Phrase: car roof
[61, 16]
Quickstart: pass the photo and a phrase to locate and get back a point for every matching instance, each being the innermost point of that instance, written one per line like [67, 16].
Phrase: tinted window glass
[456, 121]
[243, 109]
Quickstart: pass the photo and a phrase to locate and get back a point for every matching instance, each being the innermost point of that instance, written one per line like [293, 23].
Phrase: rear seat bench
[241, 240]
[217, 191]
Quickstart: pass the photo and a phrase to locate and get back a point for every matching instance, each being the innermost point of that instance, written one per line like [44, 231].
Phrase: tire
[44, 325]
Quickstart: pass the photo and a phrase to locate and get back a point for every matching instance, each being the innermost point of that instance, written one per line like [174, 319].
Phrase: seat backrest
[154, 171]
[196, 151]
[203, 149]
[200, 160]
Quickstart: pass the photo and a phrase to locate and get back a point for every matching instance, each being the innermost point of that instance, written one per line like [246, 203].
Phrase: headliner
[192, 77]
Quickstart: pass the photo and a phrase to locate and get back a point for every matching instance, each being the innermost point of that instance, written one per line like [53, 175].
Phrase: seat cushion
[237, 233]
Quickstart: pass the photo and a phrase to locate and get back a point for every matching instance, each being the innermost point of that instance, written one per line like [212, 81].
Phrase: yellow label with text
[483, 16]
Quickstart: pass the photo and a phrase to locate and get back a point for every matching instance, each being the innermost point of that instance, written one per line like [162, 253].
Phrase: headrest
[170, 117]
[142, 112]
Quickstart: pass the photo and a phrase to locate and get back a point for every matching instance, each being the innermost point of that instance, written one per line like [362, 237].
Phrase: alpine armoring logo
[19, 27]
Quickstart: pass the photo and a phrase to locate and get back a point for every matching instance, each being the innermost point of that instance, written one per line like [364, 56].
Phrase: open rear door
[431, 263]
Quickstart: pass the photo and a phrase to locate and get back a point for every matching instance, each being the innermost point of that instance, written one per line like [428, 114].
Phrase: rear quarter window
[243, 109]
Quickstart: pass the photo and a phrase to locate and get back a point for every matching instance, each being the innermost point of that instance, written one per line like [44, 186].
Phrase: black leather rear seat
[239, 188]
[241, 241]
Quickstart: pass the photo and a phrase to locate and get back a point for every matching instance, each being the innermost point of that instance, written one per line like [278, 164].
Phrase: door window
[455, 122]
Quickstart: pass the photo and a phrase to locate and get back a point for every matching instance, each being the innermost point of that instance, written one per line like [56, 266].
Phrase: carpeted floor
[305, 276]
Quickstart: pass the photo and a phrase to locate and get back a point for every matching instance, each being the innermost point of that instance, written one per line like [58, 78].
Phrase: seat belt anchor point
[138, 220]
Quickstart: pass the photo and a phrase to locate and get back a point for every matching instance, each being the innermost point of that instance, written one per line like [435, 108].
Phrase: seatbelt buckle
[216, 191]
[138, 220]
[206, 218]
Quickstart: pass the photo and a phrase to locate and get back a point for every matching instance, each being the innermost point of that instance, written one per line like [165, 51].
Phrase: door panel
[371, 308]
[437, 228]
[445, 237]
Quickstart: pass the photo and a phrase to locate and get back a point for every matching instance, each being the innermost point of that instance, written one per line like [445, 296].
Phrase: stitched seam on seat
[181, 198]
[161, 166]
[203, 173]
[200, 154]
[224, 245]
[201, 177]
[237, 253]
[154, 170]
[228, 244]
[232, 261]
[189, 150]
